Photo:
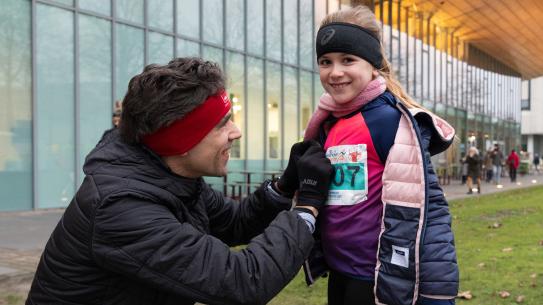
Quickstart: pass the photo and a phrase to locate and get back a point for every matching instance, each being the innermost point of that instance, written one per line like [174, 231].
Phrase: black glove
[314, 172]
[288, 182]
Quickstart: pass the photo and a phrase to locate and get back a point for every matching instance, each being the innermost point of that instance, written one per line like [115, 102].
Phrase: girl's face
[344, 76]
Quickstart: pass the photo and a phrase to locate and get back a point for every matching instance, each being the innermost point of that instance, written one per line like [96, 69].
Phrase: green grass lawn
[499, 239]
[499, 242]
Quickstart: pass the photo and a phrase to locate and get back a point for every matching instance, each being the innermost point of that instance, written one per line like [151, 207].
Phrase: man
[497, 161]
[144, 228]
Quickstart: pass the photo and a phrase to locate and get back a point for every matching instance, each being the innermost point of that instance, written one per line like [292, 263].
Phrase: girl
[386, 229]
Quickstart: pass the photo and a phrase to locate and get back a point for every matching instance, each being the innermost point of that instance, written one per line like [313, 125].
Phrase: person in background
[385, 231]
[487, 164]
[116, 118]
[497, 163]
[145, 228]
[513, 162]
[473, 160]
[536, 162]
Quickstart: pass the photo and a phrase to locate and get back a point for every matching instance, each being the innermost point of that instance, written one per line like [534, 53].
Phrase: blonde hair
[362, 16]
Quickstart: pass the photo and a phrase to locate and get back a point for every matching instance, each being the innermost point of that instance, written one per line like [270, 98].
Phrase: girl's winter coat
[416, 257]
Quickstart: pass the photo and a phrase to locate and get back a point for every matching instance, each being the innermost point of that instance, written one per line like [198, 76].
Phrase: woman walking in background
[474, 169]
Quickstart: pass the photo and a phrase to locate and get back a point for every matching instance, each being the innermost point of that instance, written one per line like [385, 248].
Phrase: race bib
[350, 180]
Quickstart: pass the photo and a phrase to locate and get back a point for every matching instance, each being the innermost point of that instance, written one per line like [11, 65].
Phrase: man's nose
[235, 133]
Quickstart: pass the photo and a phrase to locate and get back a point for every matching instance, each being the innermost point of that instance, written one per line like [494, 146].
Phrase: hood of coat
[114, 158]
[442, 132]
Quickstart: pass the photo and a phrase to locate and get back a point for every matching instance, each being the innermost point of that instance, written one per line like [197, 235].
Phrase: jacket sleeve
[139, 239]
[438, 265]
[237, 222]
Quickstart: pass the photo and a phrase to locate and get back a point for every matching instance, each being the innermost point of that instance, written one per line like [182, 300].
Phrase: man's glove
[288, 182]
[314, 172]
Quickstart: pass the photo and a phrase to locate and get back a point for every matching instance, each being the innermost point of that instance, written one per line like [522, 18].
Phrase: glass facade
[66, 63]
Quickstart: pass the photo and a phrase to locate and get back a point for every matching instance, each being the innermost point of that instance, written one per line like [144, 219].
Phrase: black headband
[351, 39]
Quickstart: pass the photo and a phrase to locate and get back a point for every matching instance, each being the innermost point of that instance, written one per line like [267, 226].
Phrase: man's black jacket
[136, 233]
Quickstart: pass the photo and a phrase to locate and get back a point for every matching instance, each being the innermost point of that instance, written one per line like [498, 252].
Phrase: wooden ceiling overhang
[510, 31]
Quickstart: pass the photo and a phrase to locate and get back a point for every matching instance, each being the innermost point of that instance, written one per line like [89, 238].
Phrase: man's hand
[314, 174]
[288, 182]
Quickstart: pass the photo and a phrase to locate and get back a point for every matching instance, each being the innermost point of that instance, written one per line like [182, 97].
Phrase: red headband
[183, 134]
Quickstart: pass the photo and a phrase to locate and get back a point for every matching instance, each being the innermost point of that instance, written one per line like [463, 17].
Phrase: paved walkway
[23, 235]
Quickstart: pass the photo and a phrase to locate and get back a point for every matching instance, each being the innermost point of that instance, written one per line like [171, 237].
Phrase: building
[64, 64]
[532, 112]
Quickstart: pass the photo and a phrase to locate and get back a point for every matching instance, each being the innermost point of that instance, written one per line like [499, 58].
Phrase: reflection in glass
[306, 101]
[130, 10]
[319, 90]
[160, 14]
[15, 102]
[98, 6]
[255, 106]
[273, 34]
[160, 48]
[273, 84]
[213, 54]
[55, 106]
[187, 48]
[306, 34]
[235, 20]
[65, 2]
[255, 27]
[188, 18]
[129, 57]
[290, 43]
[290, 113]
[235, 88]
[95, 108]
[213, 25]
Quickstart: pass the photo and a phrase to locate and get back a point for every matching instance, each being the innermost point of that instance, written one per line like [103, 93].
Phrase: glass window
[306, 34]
[160, 48]
[213, 21]
[525, 94]
[95, 108]
[130, 10]
[306, 100]
[235, 20]
[213, 54]
[186, 48]
[98, 6]
[273, 91]
[235, 86]
[418, 69]
[255, 106]
[290, 37]
[255, 27]
[273, 33]
[54, 106]
[290, 113]
[320, 13]
[16, 105]
[160, 14]
[319, 90]
[128, 57]
[65, 2]
[188, 18]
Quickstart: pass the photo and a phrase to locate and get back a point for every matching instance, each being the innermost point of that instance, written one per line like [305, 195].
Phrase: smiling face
[344, 76]
[210, 156]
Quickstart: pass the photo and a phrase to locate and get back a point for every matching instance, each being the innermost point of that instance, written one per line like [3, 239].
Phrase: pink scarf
[327, 105]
